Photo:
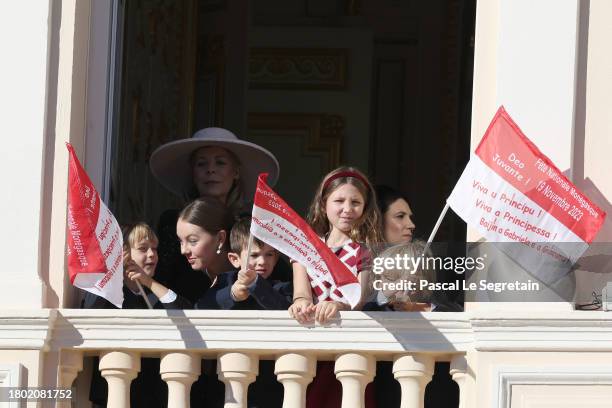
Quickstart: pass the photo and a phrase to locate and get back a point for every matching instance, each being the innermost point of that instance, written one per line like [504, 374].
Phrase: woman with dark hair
[212, 163]
[398, 226]
[203, 228]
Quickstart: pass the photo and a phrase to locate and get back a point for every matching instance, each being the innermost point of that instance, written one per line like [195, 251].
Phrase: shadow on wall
[594, 268]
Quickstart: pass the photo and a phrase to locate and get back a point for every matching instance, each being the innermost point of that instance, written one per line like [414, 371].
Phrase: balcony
[239, 339]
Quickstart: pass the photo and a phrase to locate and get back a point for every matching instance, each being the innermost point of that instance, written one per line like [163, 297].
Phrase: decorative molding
[212, 6]
[270, 331]
[26, 329]
[353, 8]
[509, 376]
[156, 106]
[544, 331]
[12, 375]
[323, 132]
[267, 332]
[298, 68]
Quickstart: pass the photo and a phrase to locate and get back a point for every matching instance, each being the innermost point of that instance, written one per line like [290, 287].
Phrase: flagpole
[436, 227]
[143, 294]
[248, 254]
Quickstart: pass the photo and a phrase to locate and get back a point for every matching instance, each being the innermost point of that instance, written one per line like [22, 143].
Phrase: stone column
[295, 371]
[237, 371]
[458, 370]
[119, 368]
[413, 372]
[70, 363]
[179, 370]
[354, 371]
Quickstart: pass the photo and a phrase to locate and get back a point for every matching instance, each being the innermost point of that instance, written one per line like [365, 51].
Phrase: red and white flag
[511, 192]
[279, 226]
[95, 242]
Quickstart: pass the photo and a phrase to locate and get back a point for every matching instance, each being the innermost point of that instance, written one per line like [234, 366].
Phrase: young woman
[398, 226]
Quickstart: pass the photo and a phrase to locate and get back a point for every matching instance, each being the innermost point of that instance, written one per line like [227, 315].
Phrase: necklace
[212, 280]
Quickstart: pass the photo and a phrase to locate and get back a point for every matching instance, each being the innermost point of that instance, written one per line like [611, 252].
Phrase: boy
[139, 255]
[250, 286]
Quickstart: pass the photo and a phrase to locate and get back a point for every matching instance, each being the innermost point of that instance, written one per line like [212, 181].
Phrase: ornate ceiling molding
[298, 68]
[322, 133]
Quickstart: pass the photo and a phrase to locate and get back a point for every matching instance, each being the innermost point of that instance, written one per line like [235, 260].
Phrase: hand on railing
[302, 310]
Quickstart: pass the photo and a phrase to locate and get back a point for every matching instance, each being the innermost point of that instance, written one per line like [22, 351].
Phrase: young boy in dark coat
[250, 286]
[139, 253]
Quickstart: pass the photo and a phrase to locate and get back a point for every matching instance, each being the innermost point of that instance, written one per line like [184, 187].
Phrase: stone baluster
[295, 371]
[237, 371]
[355, 371]
[458, 370]
[119, 368]
[179, 370]
[413, 372]
[70, 363]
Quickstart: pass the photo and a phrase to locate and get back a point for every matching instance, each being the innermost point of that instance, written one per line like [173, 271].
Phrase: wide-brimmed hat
[170, 163]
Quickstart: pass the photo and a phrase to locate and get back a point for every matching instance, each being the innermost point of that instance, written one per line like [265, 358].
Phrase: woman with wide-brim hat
[214, 162]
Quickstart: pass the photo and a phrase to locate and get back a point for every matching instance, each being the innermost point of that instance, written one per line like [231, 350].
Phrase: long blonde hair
[368, 228]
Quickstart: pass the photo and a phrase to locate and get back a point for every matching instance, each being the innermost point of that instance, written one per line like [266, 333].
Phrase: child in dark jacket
[250, 286]
[139, 254]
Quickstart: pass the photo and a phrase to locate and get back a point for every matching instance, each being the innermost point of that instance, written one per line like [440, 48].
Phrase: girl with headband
[344, 214]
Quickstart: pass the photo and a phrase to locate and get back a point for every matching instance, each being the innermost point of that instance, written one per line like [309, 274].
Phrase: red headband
[346, 174]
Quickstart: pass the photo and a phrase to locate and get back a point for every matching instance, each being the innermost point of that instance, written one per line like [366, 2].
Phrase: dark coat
[265, 295]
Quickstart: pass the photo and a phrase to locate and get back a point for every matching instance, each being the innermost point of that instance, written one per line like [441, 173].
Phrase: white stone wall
[24, 36]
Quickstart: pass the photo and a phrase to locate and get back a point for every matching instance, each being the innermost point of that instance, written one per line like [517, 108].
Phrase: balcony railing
[239, 339]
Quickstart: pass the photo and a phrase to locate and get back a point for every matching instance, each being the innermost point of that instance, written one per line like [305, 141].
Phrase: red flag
[511, 192]
[279, 226]
[95, 243]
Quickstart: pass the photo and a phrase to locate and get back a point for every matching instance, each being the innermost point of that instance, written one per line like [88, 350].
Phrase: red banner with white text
[511, 192]
[279, 226]
[94, 240]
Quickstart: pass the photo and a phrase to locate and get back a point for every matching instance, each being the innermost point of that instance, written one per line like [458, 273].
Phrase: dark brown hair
[239, 237]
[368, 227]
[209, 214]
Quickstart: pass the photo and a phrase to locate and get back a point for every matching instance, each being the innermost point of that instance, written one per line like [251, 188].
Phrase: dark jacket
[132, 301]
[267, 294]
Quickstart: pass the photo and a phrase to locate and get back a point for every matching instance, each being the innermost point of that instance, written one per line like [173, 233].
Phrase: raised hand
[239, 292]
[246, 277]
[134, 273]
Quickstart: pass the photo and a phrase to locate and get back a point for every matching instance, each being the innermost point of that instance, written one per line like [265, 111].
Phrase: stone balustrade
[239, 369]
[239, 340]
